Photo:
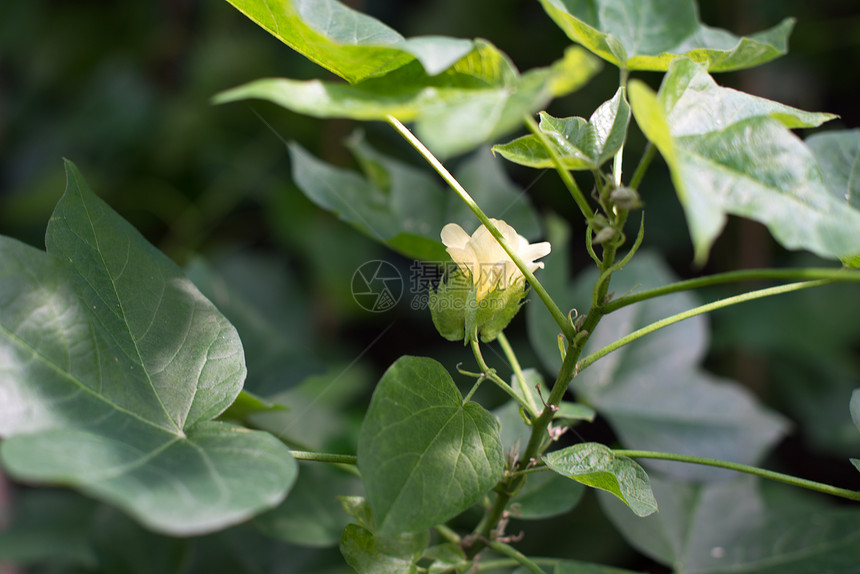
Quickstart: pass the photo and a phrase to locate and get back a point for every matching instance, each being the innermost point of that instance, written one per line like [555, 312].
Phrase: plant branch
[511, 552]
[587, 361]
[489, 373]
[644, 163]
[556, 313]
[833, 274]
[518, 373]
[563, 173]
[324, 457]
[769, 474]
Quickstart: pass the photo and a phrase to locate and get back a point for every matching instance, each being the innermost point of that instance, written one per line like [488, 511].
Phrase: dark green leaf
[478, 99]
[372, 554]
[650, 34]
[546, 494]
[595, 465]
[576, 567]
[580, 144]
[424, 456]
[728, 527]
[733, 153]
[346, 42]
[113, 365]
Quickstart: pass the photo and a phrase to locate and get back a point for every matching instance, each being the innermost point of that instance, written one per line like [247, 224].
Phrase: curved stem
[834, 274]
[511, 552]
[479, 213]
[587, 361]
[491, 374]
[324, 457]
[518, 372]
[769, 474]
[563, 173]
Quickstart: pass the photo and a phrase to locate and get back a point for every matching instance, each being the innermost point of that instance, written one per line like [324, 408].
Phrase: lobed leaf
[595, 465]
[479, 98]
[651, 34]
[424, 456]
[579, 144]
[733, 153]
[113, 365]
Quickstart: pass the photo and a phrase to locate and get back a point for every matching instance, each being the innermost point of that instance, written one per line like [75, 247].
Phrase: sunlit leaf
[732, 153]
[478, 99]
[729, 526]
[424, 456]
[650, 34]
[113, 365]
[580, 144]
[595, 465]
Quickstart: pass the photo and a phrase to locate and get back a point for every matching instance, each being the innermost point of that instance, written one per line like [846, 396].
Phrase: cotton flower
[482, 258]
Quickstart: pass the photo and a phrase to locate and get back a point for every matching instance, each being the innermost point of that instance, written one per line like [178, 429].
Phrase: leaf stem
[644, 163]
[324, 457]
[518, 372]
[489, 373]
[563, 173]
[511, 552]
[769, 474]
[556, 313]
[728, 301]
[833, 274]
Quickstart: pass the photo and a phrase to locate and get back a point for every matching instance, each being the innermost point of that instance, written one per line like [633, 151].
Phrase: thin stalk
[324, 457]
[511, 552]
[479, 213]
[518, 372]
[769, 474]
[491, 374]
[448, 534]
[644, 163]
[639, 333]
[563, 173]
[834, 274]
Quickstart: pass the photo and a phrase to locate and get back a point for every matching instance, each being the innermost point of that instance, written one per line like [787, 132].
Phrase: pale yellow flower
[483, 259]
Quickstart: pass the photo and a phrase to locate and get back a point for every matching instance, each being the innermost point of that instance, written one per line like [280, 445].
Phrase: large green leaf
[653, 391]
[731, 527]
[595, 465]
[577, 567]
[580, 144]
[838, 153]
[478, 99]
[650, 34]
[351, 44]
[424, 456]
[733, 153]
[405, 207]
[113, 365]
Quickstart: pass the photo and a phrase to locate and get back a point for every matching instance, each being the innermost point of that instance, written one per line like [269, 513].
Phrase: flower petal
[454, 236]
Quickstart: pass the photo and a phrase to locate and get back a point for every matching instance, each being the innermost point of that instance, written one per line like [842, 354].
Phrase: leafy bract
[838, 153]
[405, 207]
[112, 365]
[424, 456]
[653, 391]
[595, 465]
[731, 526]
[733, 153]
[650, 34]
[580, 144]
[351, 44]
[480, 98]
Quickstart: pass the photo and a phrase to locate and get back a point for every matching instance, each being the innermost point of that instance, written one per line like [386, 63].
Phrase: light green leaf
[424, 456]
[405, 207]
[595, 465]
[838, 153]
[369, 553]
[351, 44]
[733, 153]
[580, 144]
[730, 526]
[650, 34]
[478, 99]
[112, 365]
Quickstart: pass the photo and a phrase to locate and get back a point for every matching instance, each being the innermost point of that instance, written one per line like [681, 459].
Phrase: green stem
[556, 313]
[511, 552]
[491, 374]
[644, 163]
[587, 361]
[833, 274]
[518, 372]
[563, 173]
[324, 457]
[769, 474]
[448, 534]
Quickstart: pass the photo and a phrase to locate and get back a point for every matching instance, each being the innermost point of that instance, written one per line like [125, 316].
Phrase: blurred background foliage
[123, 90]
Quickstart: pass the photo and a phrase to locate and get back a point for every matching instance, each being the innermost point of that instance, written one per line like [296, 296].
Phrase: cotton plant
[122, 380]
